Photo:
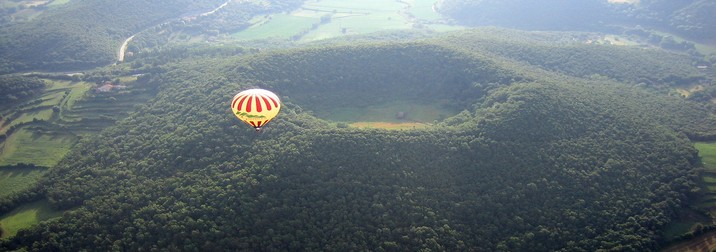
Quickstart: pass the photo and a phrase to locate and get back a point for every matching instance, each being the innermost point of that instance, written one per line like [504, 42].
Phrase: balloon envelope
[255, 107]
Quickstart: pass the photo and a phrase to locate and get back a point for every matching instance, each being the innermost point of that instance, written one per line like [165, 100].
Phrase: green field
[346, 18]
[384, 115]
[707, 201]
[27, 146]
[80, 112]
[279, 26]
[35, 147]
[26, 216]
[423, 9]
[57, 3]
[13, 180]
[707, 152]
[41, 107]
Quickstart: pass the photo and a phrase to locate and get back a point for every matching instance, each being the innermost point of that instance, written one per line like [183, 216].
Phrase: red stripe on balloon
[240, 107]
[275, 103]
[258, 103]
[253, 124]
[268, 105]
[248, 105]
[233, 103]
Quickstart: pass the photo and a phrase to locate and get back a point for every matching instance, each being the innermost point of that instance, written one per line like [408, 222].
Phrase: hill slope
[537, 161]
[47, 43]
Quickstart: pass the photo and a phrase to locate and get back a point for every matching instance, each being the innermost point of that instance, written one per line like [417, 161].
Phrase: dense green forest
[690, 18]
[545, 155]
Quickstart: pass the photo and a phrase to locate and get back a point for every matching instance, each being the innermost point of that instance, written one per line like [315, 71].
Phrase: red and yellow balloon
[256, 107]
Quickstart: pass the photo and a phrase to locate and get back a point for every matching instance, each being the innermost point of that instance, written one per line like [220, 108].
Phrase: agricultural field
[26, 216]
[38, 148]
[280, 26]
[17, 179]
[46, 127]
[57, 3]
[323, 19]
[688, 218]
[707, 152]
[41, 108]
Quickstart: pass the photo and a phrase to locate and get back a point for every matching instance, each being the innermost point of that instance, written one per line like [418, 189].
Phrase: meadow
[707, 153]
[384, 116]
[33, 147]
[26, 216]
[688, 218]
[17, 179]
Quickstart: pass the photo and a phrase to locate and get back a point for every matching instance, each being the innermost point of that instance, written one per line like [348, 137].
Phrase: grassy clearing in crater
[402, 114]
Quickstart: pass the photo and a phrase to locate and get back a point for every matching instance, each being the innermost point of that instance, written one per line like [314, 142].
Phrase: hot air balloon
[255, 107]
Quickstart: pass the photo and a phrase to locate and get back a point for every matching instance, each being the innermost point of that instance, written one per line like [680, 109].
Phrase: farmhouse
[108, 86]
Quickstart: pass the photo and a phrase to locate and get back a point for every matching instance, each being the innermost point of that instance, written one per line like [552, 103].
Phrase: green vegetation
[388, 112]
[54, 3]
[18, 89]
[693, 224]
[26, 216]
[42, 130]
[486, 140]
[17, 179]
[334, 18]
[32, 147]
[278, 26]
[542, 157]
[44, 43]
[707, 152]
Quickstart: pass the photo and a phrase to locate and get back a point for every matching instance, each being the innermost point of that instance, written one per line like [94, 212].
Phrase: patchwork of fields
[40, 131]
[323, 19]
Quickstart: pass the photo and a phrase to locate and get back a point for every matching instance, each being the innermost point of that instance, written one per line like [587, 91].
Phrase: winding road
[123, 49]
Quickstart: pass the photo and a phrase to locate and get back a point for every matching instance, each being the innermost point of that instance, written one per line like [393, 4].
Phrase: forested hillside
[44, 43]
[631, 69]
[563, 53]
[688, 18]
[540, 158]
[62, 38]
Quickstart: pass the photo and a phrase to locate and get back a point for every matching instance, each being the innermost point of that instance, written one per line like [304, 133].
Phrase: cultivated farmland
[317, 20]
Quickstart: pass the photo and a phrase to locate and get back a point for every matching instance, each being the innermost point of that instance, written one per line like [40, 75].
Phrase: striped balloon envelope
[256, 107]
